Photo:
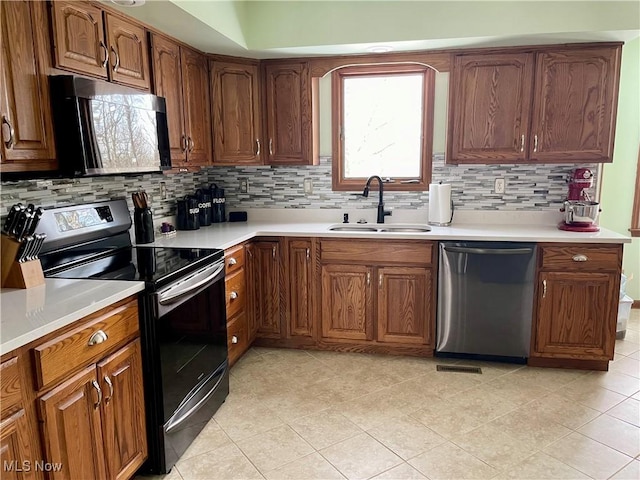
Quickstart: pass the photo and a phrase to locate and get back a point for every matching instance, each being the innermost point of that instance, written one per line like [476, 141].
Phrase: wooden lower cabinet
[575, 315]
[71, 427]
[347, 308]
[93, 424]
[300, 274]
[576, 305]
[404, 304]
[122, 411]
[264, 263]
[14, 446]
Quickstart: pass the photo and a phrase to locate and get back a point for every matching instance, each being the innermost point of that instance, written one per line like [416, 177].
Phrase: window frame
[339, 182]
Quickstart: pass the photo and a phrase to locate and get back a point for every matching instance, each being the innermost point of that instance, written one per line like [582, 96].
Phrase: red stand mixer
[580, 213]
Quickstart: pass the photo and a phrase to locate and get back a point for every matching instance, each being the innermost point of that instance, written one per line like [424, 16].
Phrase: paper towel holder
[438, 216]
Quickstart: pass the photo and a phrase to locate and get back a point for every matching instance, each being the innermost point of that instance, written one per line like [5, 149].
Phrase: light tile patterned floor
[321, 415]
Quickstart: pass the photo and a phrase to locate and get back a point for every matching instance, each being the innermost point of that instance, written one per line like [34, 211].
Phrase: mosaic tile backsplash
[528, 187]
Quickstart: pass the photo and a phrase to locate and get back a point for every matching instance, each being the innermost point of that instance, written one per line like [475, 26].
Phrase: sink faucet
[381, 211]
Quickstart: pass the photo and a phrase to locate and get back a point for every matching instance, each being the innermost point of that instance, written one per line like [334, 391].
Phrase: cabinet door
[123, 417]
[289, 114]
[78, 35]
[404, 305]
[265, 264]
[301, 289]
[128, 50]
[489, 109]
[195, 89]
[574, 108]
[236, 114]
[347, 310]
[167, 79]
[15, 447]
[576, 315]
[27, 130]
[71, 428]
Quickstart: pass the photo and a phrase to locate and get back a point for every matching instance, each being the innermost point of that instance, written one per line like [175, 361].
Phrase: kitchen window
[382, 125]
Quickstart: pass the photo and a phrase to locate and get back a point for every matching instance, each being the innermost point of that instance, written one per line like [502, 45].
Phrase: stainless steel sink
[405, 229]
[377, 227]
[352, 228]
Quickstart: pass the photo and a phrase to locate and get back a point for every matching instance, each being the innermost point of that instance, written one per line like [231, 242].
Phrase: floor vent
[458, 368]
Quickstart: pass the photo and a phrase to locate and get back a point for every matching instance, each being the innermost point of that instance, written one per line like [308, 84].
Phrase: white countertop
[225, 235]
[28, 314]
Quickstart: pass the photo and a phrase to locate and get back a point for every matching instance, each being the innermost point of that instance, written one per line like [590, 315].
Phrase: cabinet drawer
[10, 389]
[56, 358]
[235, 293]
[233, 259]
[237, 337]
[377, 251]
[581, 257]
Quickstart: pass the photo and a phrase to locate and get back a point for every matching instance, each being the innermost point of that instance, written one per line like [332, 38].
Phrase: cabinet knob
[234, 339]
[233, 295]
[97, 337]
[580, 258]
[232, 261]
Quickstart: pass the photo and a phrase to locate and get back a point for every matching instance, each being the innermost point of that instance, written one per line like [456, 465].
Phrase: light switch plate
[308, 186]
[499, 186]
[244, 185]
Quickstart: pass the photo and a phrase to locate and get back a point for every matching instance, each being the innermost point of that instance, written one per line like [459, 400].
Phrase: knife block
[18, 275]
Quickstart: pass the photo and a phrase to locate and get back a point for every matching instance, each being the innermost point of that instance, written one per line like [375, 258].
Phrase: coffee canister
[217, 204]
[204, 204]
[188, 213]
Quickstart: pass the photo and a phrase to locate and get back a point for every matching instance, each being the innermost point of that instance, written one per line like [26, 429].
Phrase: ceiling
[271, 29]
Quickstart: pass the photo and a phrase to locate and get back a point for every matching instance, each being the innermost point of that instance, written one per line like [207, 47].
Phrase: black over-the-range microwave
[103, 128]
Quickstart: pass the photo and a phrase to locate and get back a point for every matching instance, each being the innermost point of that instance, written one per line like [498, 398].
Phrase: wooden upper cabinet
[25, 110]
[71, 427]
[290, 103]
[89, 41]
[490, 107]
[235, 111]
[128, 50]
[78, 33]
[123, 417]
[167, 79]
[575, 105]
[404, 295]
[195, 90]
[545, 106]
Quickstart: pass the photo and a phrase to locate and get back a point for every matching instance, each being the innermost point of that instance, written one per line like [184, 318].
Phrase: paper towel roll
[440, 212]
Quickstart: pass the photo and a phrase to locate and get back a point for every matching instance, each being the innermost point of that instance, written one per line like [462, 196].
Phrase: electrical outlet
[244, 185]
[499, 185]
[308, 186]
[163, 191]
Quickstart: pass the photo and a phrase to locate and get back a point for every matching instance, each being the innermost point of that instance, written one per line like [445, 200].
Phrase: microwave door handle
[169, 295]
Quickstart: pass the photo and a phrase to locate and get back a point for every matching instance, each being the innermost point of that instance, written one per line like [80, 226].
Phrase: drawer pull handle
[580, 258]
[234, 339]
[544, 289]
[233, 295]
[232, 261]
[107, 380]
[97, 387]
[97, 337]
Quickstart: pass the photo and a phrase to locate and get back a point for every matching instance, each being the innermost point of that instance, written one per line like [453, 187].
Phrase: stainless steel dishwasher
[485, 298]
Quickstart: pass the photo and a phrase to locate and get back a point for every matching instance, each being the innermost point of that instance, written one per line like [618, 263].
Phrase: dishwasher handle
[489, 251]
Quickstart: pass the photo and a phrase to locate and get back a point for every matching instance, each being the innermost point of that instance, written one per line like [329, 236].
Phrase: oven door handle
[189, 284]
[185, 409]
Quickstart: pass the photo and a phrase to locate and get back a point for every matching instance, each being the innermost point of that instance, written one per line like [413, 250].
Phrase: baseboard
[635, 304]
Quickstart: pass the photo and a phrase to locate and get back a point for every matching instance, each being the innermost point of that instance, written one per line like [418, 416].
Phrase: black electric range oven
[182, 316]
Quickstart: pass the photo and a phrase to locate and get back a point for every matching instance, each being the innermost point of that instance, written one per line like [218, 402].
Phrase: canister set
[205, 207]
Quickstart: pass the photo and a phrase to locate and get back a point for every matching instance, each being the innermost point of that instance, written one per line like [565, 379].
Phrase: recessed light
[129, 3]
[380, 49]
